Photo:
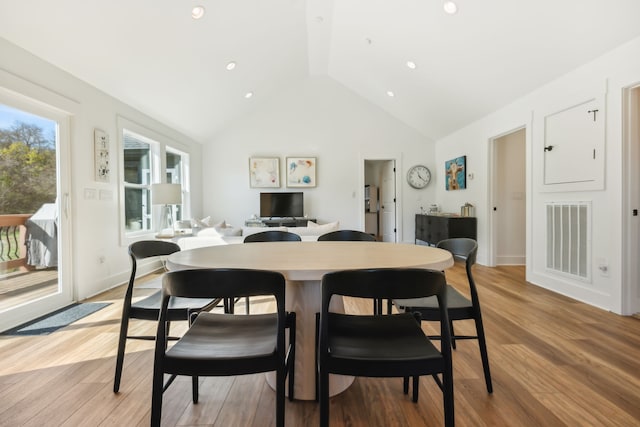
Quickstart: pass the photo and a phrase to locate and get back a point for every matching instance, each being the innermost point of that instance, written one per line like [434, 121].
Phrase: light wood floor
[22, 286]
[555, 362]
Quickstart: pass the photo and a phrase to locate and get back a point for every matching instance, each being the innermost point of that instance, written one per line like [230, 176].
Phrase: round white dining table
[303, 264]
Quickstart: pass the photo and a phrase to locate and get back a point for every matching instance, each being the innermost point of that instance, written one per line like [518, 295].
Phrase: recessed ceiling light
[248, 95]
[231, 65]
[390, 93]
[197, 12]
[411, 65]
[450, 7]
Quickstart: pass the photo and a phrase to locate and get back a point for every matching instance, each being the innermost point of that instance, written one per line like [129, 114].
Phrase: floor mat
[58, 319]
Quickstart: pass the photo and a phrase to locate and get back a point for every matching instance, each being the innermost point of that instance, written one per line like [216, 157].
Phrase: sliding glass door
[34, 210]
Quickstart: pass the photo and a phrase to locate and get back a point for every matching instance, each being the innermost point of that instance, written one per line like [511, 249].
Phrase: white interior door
[631, 205]
[388, 221]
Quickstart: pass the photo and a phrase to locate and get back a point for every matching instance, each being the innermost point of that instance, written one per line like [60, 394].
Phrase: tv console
[287, 221]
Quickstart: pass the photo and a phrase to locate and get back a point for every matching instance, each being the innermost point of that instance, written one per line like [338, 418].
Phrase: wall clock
[418, 176]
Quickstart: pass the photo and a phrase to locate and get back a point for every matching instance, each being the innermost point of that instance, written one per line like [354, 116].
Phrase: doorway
[380, 207]
[508, 183]
[34, 216]
[631, 200]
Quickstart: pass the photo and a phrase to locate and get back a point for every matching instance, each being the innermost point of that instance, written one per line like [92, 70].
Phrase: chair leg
[324, 398]
[122, 342]
[453, 336]
[482, 343]
[416, 388]
[280, 377]
[405, 385]
[447, 395]
[194, 389]
[247, 305]
[156, 396]
[291, 360]
[317, 366]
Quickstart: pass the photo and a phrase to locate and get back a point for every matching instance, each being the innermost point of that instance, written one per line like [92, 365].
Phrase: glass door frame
[43, 103]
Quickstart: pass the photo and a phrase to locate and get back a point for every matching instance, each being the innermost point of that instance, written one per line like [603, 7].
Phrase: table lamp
[166, 195]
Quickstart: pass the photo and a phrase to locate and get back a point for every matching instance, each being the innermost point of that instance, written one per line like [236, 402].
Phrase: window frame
[160, 144]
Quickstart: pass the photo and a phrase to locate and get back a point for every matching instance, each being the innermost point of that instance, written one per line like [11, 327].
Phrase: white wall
[315, 117]
[610, 73]
[96, 227]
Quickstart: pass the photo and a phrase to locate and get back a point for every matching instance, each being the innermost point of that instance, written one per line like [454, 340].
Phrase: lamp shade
[166, 194]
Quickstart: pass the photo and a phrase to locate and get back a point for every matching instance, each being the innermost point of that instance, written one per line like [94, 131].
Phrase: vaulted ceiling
[154, 56]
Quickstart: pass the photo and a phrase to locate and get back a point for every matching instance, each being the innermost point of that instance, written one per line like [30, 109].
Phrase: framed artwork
[455, 170]
[301, 171]
[264, 172]
[101, 152]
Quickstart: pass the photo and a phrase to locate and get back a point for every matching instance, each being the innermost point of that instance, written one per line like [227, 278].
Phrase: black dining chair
[263, 236]
[352, 236]
[459, 306]
[272, 236]
[346, 235]
[391, 345]
[148, 308]
[225, 344]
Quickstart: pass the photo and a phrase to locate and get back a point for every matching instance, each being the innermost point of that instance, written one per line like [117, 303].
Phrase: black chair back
[347, 235]
[272, 236]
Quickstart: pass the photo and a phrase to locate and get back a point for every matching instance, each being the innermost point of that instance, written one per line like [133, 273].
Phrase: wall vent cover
[569, 238]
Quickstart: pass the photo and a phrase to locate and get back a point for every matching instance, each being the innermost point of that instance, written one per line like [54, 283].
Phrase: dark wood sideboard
[433, 228]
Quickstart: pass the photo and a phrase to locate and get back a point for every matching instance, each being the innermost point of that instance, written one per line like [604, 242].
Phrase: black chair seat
[427, 307]
[390, 346]
[215, 337]
[147, 308]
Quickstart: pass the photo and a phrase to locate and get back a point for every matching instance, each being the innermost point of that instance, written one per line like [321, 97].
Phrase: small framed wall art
[455, 170]
[264, 172]
[101, 152]
[301, 171]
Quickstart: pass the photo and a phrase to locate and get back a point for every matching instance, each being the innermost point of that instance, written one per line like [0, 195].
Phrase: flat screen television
[274, 205]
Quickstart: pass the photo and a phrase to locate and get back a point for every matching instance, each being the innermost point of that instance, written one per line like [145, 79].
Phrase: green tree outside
[27, 169]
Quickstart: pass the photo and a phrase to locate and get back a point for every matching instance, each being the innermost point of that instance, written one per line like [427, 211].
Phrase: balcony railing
[13, 252]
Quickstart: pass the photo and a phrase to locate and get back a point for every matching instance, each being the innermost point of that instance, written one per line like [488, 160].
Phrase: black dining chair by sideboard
[148, 308]
[459, 306]
[225, 344]
[391, 345]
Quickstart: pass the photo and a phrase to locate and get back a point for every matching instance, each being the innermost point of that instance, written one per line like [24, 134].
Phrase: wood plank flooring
[554, 362]
[19, 287]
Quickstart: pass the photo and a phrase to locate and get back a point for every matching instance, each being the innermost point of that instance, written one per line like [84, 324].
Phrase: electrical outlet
[603, 266]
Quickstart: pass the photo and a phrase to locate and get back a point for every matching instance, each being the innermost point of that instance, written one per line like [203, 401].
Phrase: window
[138, 176]
[177, 165]
[149, 157]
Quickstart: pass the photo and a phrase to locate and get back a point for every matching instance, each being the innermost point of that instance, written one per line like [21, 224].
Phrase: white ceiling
[152, 55]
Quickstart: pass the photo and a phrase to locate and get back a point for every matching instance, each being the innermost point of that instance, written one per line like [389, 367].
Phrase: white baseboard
[511, 260]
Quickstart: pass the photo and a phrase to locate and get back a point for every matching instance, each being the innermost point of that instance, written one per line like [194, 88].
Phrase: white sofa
[225, 235]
